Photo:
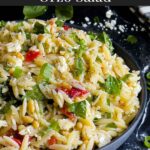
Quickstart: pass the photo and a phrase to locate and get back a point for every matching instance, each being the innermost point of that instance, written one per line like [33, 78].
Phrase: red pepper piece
[66, 27]
[31, 55]
[70, 115]
[52, 140]
[18, 141]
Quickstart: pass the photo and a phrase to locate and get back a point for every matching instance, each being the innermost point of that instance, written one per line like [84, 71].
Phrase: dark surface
[140, 51]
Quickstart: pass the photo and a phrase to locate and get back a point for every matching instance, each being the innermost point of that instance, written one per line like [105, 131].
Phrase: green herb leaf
[38, 28]
[113, 85]
[98, 59]
[46, 72]
[53, 126]
[108, 115]
[96, 19]
[148, 75]
[34, 11]
[17, 72]
[64, 12]
[125, 77]
[78, 108]
[104, 38]
[18, 26]
[78, 67]
[92, 35]
[111, 125]
[35, 94]
[108, 101]
[2, 23]
[147, 141]
[132, 39]
[59, 22]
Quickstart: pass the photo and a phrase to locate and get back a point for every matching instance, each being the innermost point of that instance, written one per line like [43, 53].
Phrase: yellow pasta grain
[31, 107]
[27, 119]
[35, 124]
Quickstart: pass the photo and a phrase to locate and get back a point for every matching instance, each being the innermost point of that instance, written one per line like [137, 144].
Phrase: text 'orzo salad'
[62, 88]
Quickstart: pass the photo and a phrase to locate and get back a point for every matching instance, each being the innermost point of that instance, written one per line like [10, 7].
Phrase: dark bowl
[131, 63]
[129, 60]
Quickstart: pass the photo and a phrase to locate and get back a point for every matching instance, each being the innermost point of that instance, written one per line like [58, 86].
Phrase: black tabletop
[140, 51]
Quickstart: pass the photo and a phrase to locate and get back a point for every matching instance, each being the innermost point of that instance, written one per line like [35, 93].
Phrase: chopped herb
[46, 71]
[148, 75]
[111, 125]
[53, 126]
[78, 67]
[17, 72]
[38, 28]
[78, 108]
[104, 38]
[96, 19]
[95, 120]
[59, 23]
[92, 35]
[6, 108]
[132, 39]
[34, 11]
[125, 77]
[108, 101]
[147, 141]
[64, 12]
[89, 99]
[113, 85]
[2, 23]
[108, 115]
[28, 35]
[18, 26]
[35, 94]
[98, 59]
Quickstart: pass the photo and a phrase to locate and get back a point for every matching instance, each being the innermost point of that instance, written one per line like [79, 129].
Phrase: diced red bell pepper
[52, 140]
[66, 27]
[31, 55]
[18, 141]
[70, 115]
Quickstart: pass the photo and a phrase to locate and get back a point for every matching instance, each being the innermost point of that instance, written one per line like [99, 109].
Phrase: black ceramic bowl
[131, 63]
[117, 142]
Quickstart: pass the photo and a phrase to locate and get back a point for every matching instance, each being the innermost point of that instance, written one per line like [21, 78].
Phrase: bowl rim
[143, 101]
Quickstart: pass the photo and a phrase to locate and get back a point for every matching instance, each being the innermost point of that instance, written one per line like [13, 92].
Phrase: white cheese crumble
[71, 22]
[84, 25]
[87, 19]
[109, 13]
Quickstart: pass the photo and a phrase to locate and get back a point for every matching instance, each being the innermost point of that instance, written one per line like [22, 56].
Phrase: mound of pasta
[62, 88]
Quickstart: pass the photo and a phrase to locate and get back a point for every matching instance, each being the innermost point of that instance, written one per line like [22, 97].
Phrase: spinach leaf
[34, 11]
[132, 39]
[78, 108]
[64, 12]
[46, 71]
[35, 94]
[111, 125]
[92, 35]
[113, 85]
[104, 38]
[78, 67]
[2, 23]
[38, 28]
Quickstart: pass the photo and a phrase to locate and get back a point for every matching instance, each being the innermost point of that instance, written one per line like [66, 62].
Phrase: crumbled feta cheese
[110, 24]
[132, 29]
[87, 19]
[84, 25]
[121, 28]
[95, 23]
[71, 22]
[109, 13]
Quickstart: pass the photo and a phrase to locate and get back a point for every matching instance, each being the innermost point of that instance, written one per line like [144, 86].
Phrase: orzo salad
[62, 88]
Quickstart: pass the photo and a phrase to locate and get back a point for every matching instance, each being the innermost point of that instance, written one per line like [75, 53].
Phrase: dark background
[140, 51]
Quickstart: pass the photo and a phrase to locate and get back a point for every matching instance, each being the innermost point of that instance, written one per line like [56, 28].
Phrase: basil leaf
[132, 39]
[38, 28]
[108, 101]
[53, 126]
[113, 85]
[147, 141]
[111, 125]
[2, 23]
[64, 12]
[98, 59]
[78, 109]
[35, 94]
[108, 115]
[104, 38]
[34, 11]
[59, 22]
[78, 67]
[46, 71]
[125, 77]
[17, 72]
